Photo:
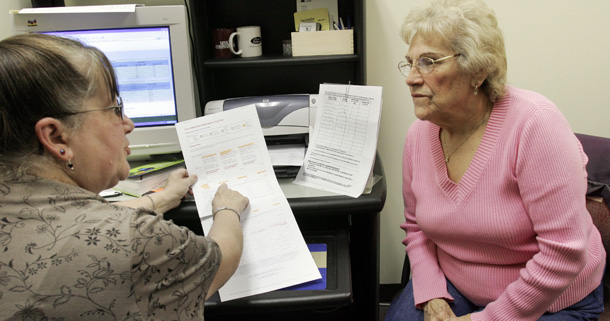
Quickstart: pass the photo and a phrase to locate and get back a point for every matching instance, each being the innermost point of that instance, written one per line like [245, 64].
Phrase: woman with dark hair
[67, 253]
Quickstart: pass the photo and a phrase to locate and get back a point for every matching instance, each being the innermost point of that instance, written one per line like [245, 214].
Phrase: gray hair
[44, 76]
[468, 27]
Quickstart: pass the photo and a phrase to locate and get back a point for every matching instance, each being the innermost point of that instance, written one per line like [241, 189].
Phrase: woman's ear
[53, 136]
[479, 78]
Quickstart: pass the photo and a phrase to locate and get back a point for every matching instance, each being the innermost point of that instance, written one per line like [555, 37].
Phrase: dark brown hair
[42, 76]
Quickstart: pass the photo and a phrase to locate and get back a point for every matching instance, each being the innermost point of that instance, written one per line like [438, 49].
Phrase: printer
[285, 119]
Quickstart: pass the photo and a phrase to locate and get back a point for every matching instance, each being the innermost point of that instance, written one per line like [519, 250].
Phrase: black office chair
[406, 272]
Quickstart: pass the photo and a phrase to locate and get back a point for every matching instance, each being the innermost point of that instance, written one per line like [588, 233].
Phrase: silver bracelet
[226, 208]
[151, 200]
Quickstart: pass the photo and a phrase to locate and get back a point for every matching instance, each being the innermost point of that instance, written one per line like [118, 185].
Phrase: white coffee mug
[249, 42]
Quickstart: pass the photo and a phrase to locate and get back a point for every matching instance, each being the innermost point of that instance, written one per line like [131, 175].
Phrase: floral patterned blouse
[68, 254]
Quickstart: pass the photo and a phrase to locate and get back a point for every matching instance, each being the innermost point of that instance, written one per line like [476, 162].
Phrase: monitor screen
[142, 60]
[151, 54]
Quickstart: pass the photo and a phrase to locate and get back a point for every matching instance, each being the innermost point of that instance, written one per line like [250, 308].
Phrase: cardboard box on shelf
[316, 43]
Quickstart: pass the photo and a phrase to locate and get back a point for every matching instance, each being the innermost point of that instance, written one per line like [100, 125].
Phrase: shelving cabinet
[275, 74]
[272, 73]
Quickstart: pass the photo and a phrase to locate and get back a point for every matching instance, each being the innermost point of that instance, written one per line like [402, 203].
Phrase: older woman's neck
[477, 116]
[51, 170]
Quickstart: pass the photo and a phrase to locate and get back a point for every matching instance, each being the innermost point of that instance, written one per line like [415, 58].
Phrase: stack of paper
[342, 149]
[149, 177]
[229, 147]
[331, 5]
[316, 15]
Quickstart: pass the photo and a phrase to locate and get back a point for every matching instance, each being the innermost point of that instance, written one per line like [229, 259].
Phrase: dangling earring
[476, 89]
[70, 165]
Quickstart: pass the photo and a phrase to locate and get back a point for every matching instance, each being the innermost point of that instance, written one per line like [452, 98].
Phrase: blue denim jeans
[403, 306]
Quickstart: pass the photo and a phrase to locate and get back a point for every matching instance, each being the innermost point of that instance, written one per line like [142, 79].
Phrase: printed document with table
[341, 152]
[229, 147]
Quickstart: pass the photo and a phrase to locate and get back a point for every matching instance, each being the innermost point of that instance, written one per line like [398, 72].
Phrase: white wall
[5, 6]
[559, 48]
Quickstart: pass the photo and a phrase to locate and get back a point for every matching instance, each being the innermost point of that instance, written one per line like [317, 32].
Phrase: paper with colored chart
[229, 147]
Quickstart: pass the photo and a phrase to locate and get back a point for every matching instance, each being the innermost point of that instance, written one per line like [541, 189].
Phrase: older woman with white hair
[494, 184]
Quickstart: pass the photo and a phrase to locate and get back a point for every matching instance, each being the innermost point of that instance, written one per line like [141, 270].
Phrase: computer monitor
[150, 52]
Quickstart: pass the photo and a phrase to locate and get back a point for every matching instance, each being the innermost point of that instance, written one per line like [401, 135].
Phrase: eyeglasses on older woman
[424, 65]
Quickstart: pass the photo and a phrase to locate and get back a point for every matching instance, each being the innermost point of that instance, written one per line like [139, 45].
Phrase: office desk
[347, 225]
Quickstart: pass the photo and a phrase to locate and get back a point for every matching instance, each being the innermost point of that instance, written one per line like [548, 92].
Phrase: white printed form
[341, 152]
[229, 147]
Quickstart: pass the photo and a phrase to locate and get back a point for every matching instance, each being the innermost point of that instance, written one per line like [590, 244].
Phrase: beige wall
[5, 6]
[559, 48]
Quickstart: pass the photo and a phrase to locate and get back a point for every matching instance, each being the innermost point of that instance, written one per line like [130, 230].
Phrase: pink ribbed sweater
[514, 235]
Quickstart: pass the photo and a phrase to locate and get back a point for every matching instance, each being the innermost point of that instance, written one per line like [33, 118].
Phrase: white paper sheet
[229, 147]
[342, 149]
[287, 155]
